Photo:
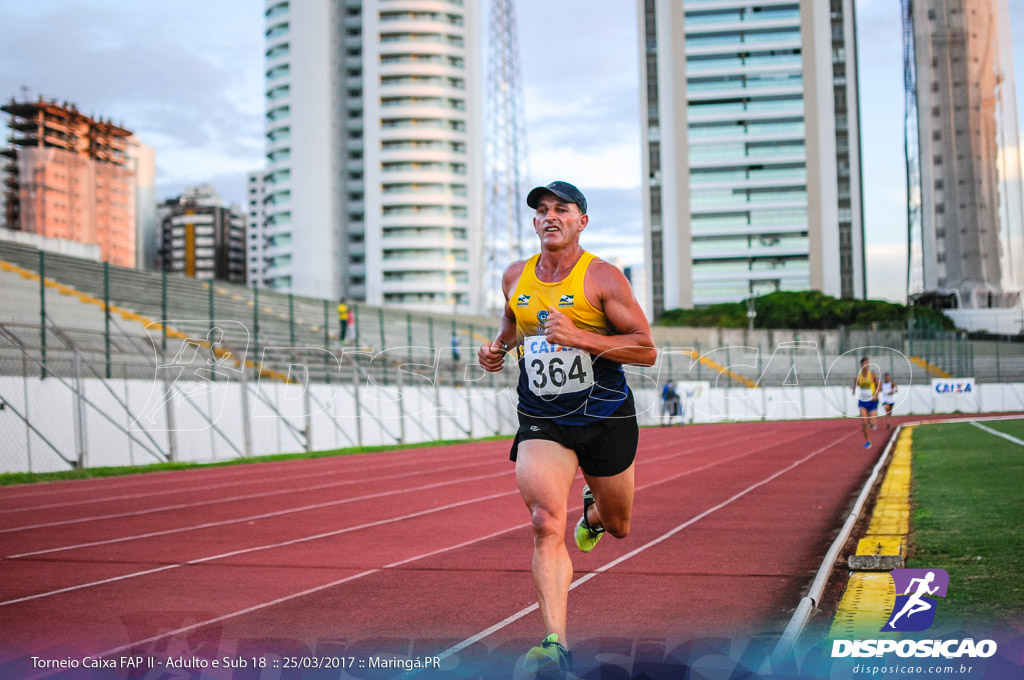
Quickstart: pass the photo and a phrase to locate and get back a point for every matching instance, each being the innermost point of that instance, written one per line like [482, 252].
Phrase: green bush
[808, 309]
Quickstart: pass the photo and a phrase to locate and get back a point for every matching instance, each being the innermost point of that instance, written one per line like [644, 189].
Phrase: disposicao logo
[523, 301]
[914, 611]
[565, 301]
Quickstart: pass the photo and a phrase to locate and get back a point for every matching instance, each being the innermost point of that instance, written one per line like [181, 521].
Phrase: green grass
[11, 478]
[1014, 428]
[968, 520]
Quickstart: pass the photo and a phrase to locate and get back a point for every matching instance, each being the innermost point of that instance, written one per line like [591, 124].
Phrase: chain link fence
[103, 365]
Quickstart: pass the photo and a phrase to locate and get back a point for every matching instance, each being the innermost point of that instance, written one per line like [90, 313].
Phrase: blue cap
[563, 190]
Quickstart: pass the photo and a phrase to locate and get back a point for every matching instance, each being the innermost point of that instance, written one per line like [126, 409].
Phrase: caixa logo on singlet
[914, 611]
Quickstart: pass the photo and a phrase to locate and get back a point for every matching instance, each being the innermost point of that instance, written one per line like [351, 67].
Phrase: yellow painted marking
[889, 522]
[866, 606]
[930, 367]
[869, 596]
[881, 545]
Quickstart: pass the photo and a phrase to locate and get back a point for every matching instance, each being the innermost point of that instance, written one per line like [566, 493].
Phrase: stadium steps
[72, 314]
[137, 295]
[930, 367]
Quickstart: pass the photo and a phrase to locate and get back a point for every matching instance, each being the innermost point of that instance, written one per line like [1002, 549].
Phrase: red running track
[418, 552]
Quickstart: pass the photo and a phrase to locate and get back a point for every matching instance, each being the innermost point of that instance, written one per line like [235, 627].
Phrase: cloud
[887, 272]
[580, 77]
[230, 186]
[185, 77]
[608, 166]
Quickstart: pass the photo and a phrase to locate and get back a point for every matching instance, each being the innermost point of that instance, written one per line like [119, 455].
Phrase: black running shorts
[605, 448]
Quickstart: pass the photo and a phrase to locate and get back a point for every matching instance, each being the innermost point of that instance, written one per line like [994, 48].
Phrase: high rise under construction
[68, 176]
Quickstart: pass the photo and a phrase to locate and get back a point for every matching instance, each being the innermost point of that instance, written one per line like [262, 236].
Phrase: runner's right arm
[492, 356]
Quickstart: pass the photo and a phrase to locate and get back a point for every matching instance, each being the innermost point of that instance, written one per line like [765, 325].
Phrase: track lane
[53, 536]
[14, 497]
[496, 555]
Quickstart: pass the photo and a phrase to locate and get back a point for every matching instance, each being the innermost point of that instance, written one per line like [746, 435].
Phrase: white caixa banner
[954, 394]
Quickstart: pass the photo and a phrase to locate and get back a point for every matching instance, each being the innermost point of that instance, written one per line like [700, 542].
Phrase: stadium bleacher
[307, 326]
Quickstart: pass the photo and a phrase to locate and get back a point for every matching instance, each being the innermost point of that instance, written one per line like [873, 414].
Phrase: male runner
[888, 393]
[575, 322]
[865, 386]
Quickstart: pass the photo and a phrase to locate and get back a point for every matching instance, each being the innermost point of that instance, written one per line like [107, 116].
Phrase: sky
[187, 78]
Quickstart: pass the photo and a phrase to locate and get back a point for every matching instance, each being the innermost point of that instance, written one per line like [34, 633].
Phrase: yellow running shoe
[587, 536]
[548, 657]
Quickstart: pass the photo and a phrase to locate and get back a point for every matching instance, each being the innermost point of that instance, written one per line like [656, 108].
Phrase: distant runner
[574, 321]
[865, 386]
[888, 393]
[669, 402]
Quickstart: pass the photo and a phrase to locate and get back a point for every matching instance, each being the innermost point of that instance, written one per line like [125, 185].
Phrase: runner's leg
[613, 502]
[544, 472]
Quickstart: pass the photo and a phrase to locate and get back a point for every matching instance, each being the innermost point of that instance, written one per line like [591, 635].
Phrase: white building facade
[752, 150]
[255, 238]
[374, 180]
[142, 160]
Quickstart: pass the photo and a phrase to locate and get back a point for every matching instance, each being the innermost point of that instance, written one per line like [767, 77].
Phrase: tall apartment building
[752, 164]
[965, 241]
[255, 240]
[201, 237]
[374, 179]
[142, 161]
[68, 176]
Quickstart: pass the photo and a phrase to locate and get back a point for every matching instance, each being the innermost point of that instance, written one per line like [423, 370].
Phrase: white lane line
[1007, 437]
[600, 570]
[262, 479]
[232, 499]
[281, 543]
[254, 476]
[431, 553]
[139, 480]
[268, 546]
[204, 503]
[255, 472]
[267, 515]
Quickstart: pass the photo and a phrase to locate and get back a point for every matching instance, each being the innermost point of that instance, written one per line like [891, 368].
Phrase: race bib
[553, 369]
[866, 394]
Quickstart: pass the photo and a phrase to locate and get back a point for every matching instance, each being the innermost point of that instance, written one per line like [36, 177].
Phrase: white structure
[202, 237]
[142, 160]
[255, 239]
[374, 181]
[752, 163]
[276, 411]
[968, 253]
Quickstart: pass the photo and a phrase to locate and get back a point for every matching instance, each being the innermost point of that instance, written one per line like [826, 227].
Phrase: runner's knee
[617, 526]
[546, 523]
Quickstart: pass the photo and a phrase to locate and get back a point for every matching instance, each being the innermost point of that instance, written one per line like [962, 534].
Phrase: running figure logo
[915, 609]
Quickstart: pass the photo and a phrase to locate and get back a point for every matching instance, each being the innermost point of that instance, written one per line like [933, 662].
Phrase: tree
[805, 310]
